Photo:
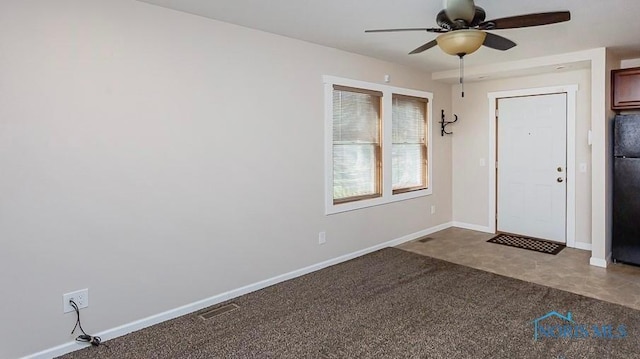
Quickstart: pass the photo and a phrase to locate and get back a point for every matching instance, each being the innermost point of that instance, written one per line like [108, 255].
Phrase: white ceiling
[341, 24]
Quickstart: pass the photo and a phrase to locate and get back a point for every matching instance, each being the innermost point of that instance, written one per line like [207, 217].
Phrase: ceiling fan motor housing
[479, 17]
[460, 10]
[445, 22]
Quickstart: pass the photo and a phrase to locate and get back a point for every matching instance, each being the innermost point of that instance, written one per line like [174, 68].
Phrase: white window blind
[409, 148]
[356, 144]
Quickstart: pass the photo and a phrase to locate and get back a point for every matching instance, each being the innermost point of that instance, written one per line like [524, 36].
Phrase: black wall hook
[444, 123]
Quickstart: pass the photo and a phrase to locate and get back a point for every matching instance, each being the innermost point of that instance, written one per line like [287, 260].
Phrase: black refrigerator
[626, 189]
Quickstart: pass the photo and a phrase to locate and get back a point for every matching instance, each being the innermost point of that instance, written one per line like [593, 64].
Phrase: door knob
[559, 169]
[560, 179]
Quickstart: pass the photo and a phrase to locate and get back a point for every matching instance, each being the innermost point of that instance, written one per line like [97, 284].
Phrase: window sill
[332, 208]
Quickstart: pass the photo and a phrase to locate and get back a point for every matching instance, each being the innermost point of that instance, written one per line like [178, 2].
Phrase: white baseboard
[196, 306]
[582, 245]
[598, 262]
[473, 227]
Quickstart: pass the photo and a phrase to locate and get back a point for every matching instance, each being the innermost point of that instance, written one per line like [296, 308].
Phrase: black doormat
[531, 244]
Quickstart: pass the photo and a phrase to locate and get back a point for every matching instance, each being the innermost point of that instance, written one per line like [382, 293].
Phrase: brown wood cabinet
[625, 89]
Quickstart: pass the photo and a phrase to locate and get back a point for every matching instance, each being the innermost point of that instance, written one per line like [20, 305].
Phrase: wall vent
[218, 311]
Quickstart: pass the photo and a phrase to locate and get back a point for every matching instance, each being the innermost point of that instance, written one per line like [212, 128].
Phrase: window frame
[386, 145]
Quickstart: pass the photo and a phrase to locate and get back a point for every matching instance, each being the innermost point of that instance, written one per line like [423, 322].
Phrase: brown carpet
[389, 304]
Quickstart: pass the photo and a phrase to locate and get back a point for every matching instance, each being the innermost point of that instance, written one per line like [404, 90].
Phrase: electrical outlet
[322, 237]
[433, 209]
[80, 297]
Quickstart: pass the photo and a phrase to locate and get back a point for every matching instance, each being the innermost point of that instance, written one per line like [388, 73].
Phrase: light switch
[483, 162]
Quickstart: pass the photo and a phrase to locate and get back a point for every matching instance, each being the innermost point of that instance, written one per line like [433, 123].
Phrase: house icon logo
[538, 326]
[555, 325]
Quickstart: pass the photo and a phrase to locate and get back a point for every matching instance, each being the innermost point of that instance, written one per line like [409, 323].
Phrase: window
[356, 144]
[409, 152]
[377, 144]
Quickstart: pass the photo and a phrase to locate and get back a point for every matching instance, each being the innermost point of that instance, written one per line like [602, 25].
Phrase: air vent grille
[218, 311]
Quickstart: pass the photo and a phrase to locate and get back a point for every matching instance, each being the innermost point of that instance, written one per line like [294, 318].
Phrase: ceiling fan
[464, 16]
[463, 29]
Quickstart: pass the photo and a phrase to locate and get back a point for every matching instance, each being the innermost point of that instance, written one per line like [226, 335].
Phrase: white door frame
[571, 91]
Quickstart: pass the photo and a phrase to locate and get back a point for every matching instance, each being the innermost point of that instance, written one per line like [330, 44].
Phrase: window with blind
[409, 148]
[377, 144]
[356, 144]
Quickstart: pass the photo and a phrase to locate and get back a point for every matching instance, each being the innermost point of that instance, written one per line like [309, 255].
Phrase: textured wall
[160, 158]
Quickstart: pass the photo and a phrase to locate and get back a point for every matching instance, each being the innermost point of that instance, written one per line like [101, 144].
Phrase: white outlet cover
[80, 297]
[322, 238]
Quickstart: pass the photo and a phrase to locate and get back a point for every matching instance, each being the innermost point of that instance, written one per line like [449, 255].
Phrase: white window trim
[387, 140]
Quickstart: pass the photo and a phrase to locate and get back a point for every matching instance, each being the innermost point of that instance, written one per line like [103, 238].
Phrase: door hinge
[496, 164]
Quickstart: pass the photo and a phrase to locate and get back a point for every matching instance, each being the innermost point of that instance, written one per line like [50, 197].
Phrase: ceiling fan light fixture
[461, 42]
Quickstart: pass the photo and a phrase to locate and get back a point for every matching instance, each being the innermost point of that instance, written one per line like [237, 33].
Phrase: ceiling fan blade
[460, 10]
[498, 42]
[424, 47]
[436, 29]
[512, 22]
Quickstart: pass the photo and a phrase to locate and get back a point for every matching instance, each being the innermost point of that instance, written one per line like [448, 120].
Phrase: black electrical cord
[85, 338]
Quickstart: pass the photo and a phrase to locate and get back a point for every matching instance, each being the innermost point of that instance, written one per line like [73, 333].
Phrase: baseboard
[582, 245]
[404, 239]
[603, 263]
[196, 306]
[473, 227]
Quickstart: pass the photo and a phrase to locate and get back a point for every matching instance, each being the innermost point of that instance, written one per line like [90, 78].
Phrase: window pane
[355, 117]
[407, 166]
[408, 120]
[354, 170]
[356, 143]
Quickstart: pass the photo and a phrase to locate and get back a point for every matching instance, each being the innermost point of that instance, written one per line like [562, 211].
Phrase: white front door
[532, 165]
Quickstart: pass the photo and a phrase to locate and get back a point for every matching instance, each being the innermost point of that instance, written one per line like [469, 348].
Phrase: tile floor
[569, 270]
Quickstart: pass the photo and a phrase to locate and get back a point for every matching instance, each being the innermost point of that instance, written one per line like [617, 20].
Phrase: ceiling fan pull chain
[462, 73]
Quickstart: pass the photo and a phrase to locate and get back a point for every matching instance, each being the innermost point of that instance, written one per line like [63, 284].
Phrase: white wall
[471, 144]
[160, 158]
